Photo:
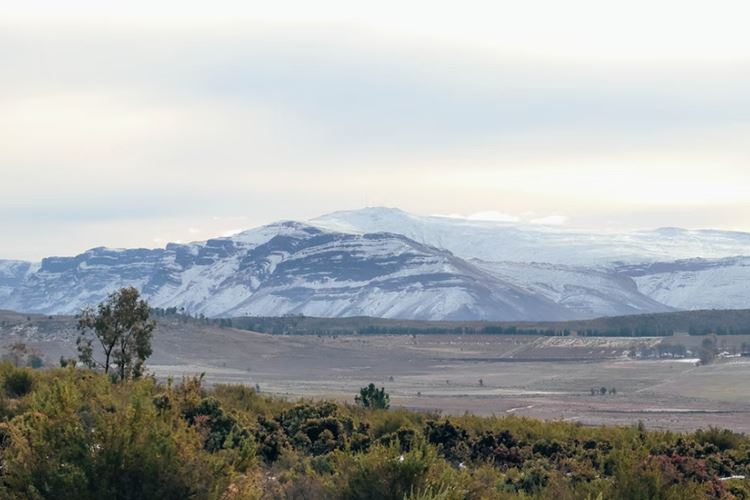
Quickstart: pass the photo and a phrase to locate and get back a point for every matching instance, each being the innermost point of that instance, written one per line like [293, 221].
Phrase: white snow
[504, 241]
[590, 292]
[503, 268]
[719, 287]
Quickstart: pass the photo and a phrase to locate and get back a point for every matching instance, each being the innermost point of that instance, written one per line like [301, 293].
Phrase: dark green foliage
[533, 478]
[723, 439]
[373, 398]
[404, 437]
[271, 439]
[18, 382]
[547, 448]
[451, 441]
[720, 322]
[220, 429]
[311, 429]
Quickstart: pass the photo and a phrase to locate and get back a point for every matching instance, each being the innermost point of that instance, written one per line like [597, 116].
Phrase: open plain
[545, 377]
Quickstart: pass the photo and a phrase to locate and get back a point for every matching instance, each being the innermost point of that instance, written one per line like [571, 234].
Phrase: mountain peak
[364, 220]
[262, 234]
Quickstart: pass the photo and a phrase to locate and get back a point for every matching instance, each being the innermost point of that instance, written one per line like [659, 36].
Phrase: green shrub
[373, 398]
[385, 473]
[723, 439]
[18, 383]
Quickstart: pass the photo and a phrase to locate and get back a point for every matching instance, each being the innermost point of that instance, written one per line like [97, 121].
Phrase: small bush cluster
[17, 382]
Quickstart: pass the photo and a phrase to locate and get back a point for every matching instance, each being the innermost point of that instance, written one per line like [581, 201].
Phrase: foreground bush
[72, 434]
[18, 382]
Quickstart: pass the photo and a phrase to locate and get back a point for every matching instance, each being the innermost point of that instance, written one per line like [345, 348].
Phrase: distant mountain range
[503, 241]
[388, 263]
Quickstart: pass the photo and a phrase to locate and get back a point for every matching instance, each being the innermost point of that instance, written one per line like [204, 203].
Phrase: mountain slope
[382, 275]
[503, 241]
[587, 292]
[12, 274]
[286, 268]
[695, 283]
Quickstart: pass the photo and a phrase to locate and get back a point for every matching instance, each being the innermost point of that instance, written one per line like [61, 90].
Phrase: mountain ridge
[387, 262]
[509, 241]
[297, 269]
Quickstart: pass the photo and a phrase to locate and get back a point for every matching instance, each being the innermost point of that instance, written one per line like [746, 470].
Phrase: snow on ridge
[504, 241]
[259, 235]
[387, 262]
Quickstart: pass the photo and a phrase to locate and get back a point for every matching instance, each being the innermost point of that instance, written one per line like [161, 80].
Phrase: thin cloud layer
[123, 132]
[551, 220]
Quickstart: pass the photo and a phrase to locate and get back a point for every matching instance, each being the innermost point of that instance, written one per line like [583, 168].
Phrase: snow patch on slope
[696, 283]
[586, 291]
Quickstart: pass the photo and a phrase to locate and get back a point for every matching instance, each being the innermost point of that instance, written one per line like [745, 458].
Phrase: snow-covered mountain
[591, 273]
[388, 263]
[12, 274]
[696, 283]
[286, 268]
[586, 292]
[513, 242]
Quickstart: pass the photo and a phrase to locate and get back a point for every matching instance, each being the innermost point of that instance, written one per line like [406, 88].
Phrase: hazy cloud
[488, 215]
[114, 131]
[551, 220]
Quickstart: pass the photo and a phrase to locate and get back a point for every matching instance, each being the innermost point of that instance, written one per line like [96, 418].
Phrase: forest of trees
[300, 325]
[646, 325]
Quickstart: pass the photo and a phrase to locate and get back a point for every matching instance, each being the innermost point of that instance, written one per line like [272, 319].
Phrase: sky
[136, 123]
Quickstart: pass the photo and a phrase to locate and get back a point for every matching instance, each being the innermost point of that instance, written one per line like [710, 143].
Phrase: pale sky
[136, 123]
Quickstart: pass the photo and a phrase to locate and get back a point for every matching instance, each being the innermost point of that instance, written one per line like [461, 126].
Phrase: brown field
[544, 377]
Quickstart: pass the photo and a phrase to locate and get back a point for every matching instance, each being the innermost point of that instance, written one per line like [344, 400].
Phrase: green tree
[122, 327]
[373, 398]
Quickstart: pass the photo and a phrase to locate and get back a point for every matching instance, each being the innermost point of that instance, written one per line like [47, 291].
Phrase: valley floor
[543, 377]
